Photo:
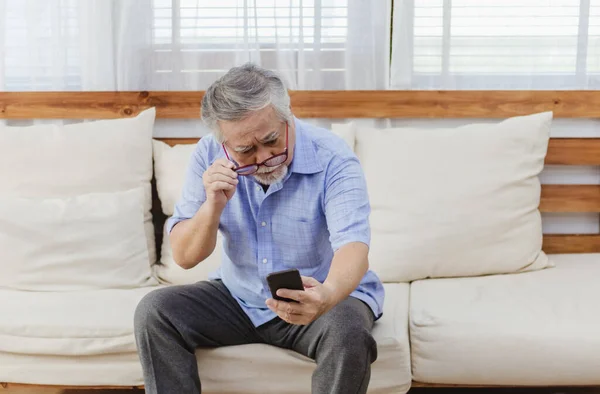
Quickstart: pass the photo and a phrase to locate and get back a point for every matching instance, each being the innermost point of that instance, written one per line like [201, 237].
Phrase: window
[40, 45]
[208, 37]
[502, 44]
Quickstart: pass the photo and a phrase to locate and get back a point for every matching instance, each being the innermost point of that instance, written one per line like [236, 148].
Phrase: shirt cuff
[347, 238]
[172, 221]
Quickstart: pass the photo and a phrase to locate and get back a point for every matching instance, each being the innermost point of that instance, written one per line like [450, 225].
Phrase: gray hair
[243, 90]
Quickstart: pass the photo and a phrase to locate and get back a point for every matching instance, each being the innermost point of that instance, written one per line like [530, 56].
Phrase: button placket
[263, 238]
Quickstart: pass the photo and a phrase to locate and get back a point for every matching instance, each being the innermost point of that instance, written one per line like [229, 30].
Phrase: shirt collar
[305, 159]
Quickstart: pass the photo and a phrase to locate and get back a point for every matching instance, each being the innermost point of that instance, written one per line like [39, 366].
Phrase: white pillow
[89, 241]
[92, 157]
[457, 201]
[170, 165]
[169, 272]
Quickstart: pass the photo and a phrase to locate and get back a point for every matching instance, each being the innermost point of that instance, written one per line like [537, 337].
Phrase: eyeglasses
[272, 161]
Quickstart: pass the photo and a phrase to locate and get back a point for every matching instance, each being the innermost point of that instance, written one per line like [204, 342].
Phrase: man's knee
[347, 328]
[151, 309]
[351, 334]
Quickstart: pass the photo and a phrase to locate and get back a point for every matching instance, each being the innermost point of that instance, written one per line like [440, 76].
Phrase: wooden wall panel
[574, 151]
[571, 243]
[570, 198]
[310, 104]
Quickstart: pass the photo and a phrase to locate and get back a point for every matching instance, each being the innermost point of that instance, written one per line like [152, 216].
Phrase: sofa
[471, 297]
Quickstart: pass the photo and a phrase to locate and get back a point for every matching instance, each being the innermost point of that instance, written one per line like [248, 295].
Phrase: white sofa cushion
[90, 241]
[112, 369]
[82, 323]
[170, 166]
[35, 346]
[236, 369]
[454, 201]
[536, 328]
[65, 160]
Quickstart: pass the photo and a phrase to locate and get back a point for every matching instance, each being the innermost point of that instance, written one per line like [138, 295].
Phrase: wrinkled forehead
[251, 129]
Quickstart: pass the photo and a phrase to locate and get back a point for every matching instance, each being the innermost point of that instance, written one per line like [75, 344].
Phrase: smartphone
[287, 279]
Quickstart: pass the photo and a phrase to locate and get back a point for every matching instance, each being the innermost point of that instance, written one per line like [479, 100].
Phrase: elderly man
[284, 194]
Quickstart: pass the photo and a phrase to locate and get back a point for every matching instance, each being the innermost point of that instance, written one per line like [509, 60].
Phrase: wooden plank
[328, 104]
[178, 141]
[508, 386]
[561, 151]
[63, 387]
[444, 104]
[574, 151]
[570, 198]
[98, 105]
[414, 384]
[571, 243]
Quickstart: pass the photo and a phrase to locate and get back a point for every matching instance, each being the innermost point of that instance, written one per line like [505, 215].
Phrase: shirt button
[265, 261]
[263, 224]
[258, 188]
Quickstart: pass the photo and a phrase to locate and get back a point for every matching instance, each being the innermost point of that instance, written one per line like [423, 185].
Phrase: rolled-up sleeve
[346, 203]
[193, 193]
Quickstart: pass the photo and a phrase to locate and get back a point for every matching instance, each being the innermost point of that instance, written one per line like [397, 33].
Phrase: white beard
[269, 176]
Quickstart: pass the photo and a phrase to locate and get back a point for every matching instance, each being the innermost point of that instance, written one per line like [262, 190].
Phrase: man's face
[257, 138]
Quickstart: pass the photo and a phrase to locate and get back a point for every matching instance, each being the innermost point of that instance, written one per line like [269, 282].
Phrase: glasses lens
[275, 160]
[246, 170]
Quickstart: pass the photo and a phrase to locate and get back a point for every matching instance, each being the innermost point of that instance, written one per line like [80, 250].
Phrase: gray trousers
[170, 323]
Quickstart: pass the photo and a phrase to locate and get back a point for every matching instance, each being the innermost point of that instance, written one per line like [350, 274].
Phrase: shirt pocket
[296, 232]
[299, 240]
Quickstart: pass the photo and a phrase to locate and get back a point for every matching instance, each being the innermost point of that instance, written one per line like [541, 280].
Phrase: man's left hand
[314, 301]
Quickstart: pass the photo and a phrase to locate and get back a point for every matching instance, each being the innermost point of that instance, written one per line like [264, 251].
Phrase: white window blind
[40, 46]
[548, 43]
[229, 22]
[208, 37]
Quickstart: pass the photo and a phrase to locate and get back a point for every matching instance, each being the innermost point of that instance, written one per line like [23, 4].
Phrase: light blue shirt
[321, 205]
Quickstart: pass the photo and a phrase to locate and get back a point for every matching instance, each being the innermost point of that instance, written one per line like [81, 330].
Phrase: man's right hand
[220, 182]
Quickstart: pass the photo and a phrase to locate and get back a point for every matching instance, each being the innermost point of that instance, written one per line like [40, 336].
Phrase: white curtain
[56, 45]
[498, 45]
[187, 44]
[314, 44]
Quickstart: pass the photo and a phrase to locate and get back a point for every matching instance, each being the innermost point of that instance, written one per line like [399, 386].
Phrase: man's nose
[263, 154]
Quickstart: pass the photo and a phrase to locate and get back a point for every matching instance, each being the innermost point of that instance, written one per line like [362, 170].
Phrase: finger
[295, 319]
[228, 172]
[224, 167]
[286, 315]
[296, 295]
[216, 186]
[291, 318]
[223, 178]
[285, 308]
[223, 162]
[308, 282]
[272, 304]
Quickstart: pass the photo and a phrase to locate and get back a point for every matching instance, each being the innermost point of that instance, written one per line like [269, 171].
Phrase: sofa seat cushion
[536, 328]
[63, 326]
[237, 368]
[112, 369]
[81, 323]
